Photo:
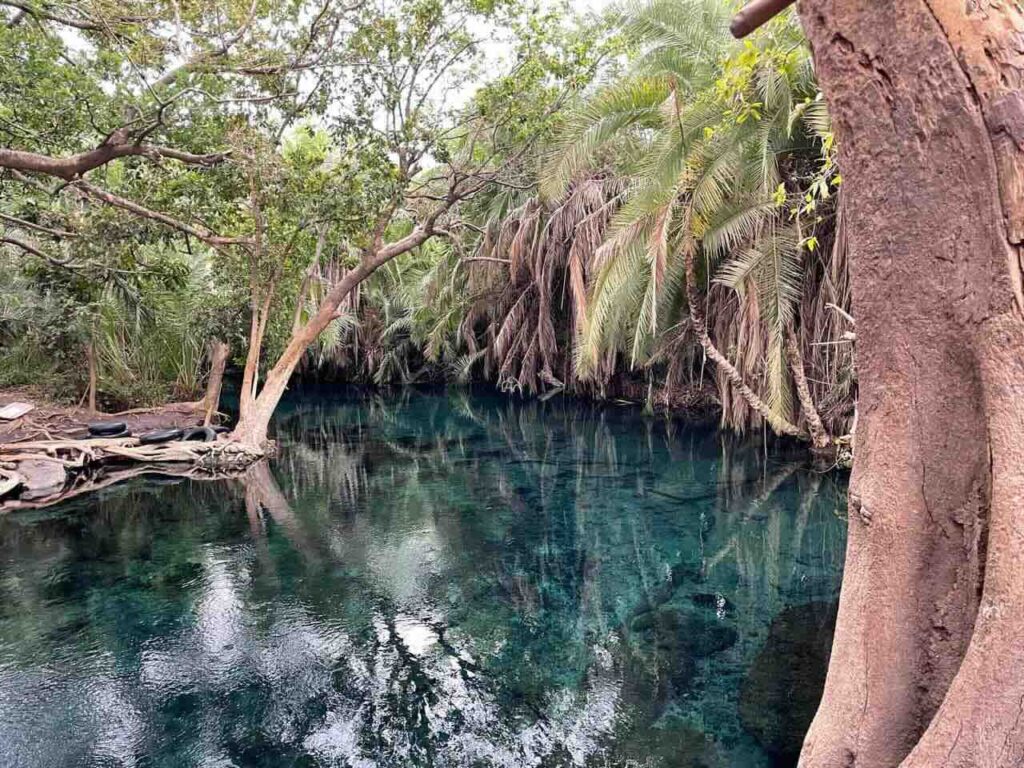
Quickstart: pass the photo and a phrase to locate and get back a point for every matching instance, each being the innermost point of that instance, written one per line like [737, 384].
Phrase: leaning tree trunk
[254, 422]
[927, 665]
[219, 354]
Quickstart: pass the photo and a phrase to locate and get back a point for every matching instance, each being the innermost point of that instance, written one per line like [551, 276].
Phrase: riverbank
[45, 456]
[52, 420]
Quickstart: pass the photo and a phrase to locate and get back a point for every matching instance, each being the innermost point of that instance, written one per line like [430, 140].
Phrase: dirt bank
[50, 420]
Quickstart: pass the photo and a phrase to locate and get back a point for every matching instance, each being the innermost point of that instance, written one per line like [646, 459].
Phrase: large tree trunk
[254, 421]
[927, 665]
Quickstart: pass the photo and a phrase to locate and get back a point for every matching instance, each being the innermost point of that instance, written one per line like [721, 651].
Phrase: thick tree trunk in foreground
[927, 666]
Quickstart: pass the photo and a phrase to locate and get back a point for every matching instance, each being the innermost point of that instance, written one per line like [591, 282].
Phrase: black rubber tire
[199, 435]
[160, 436]
[107, 428]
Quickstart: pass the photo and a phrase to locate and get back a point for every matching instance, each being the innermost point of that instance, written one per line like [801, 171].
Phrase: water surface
[430, 579]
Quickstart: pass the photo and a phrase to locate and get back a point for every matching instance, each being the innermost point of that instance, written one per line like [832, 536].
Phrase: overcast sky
[590, 5]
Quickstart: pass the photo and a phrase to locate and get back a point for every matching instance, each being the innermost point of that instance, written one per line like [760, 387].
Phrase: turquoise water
[430, 579]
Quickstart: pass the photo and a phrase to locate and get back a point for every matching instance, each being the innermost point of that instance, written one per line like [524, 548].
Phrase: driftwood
[92, 464]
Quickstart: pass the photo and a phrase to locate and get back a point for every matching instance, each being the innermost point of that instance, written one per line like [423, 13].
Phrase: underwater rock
[680, 573]
[711, 639]
[692, 634]
[780, 694]
[718, 603]
[670, 643]
[675, 745]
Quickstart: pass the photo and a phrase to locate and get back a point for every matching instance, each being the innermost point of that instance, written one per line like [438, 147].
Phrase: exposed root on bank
[39, 473]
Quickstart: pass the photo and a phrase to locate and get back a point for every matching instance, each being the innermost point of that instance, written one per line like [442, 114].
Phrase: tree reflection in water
[425, 579]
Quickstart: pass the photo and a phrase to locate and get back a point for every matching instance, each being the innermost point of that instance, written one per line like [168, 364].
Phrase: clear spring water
[430, 579]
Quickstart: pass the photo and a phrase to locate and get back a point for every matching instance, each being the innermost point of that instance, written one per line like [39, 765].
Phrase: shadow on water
[431, 579]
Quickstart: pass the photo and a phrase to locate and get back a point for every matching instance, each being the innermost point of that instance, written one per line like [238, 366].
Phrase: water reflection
[428, 579]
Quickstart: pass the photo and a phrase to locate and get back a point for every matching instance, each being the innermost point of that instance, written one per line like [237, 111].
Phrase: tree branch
[83, 24]
[14, 221]
[25, 246]
[74, 166]
[755, 14]
[198, 231]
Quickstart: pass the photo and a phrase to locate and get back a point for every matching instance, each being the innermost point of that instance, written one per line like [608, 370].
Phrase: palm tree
[726, 151]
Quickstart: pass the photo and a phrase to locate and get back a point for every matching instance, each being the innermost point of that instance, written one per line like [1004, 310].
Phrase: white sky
[590, 5]
[495, 52]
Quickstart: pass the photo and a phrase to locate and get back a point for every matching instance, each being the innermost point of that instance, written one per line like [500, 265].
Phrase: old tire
[199, 435]
[107, 428]
[160, 436]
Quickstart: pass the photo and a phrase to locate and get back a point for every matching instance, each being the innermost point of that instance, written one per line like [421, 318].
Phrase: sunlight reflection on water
[430, 579]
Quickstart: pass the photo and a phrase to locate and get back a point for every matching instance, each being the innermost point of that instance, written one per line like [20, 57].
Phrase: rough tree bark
[927, 666]
[219, 354]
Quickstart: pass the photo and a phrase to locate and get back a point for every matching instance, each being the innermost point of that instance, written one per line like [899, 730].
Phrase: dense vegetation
[596, 205]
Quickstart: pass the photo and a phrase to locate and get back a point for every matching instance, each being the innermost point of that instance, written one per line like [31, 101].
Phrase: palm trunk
[781, 425]
[927, 667]
[820, 438]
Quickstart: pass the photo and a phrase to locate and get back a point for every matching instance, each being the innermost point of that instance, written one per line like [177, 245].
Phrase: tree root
[97, 463]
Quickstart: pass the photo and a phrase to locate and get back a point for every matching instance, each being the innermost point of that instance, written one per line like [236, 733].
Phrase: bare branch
[202, 57]
[14, 221]
[25, 246]
[198, 231]
[486, 258]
